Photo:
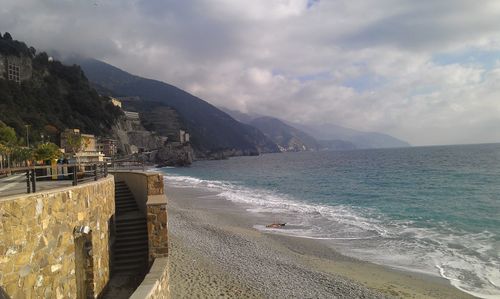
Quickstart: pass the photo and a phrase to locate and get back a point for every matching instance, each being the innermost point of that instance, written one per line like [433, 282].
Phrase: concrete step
[133, 249]
[127, 197]
[130, 231]
[131, 263]
[126, 209]
[131, 220]
[125, 200]
[121, 203]
[121, 187]
[133, 238]
[136, 235]
[126, 205]
[130, 266]
[124, 195]
[131, 207]
[123, 243]
[120, 230]
[130, 255]
[122, 192]
[134, 260]
[131, 224]
[134, 222]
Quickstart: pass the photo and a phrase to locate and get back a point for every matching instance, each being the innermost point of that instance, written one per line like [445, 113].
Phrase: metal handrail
[129, 165]
[76, 172]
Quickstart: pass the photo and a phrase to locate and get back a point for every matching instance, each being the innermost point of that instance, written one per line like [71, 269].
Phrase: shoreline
[216, 251]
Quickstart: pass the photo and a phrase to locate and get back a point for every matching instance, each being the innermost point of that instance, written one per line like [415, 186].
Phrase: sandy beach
[216, 252]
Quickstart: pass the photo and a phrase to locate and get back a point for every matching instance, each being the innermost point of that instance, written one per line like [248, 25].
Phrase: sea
[433, 210]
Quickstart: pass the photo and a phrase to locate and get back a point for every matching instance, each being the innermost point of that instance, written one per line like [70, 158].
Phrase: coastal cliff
[150, 146]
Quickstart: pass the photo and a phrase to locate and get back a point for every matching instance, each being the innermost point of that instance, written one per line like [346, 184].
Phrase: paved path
[16, 184]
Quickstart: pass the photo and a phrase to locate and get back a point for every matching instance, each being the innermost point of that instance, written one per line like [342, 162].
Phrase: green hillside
[56, 97]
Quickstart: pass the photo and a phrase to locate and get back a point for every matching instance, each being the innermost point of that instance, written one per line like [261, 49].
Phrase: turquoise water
[429, 209]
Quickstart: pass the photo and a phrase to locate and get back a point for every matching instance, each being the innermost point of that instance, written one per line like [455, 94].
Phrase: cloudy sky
[425, 71]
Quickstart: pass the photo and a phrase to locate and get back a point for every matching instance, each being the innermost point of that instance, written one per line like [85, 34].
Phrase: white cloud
[364, 64]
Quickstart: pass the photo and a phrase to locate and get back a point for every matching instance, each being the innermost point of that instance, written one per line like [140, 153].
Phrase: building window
[13, 72]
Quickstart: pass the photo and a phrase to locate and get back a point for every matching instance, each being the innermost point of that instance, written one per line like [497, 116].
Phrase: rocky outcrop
[174, 154]
[161, 147]
[134, 138]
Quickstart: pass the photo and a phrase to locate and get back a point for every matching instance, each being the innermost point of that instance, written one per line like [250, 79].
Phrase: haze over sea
[428, 209]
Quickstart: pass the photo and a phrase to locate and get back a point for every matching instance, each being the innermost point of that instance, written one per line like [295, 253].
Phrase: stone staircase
[131, 243]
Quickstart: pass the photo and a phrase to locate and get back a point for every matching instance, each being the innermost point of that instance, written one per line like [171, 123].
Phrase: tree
[32, 51]
[7, 135]
[7, 36]
[74, 143]
[3, 152]
[47, 151]
[51, 132]
[22, 154]
[8, 140]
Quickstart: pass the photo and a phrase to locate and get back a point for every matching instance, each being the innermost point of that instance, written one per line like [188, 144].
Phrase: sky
[425, 71]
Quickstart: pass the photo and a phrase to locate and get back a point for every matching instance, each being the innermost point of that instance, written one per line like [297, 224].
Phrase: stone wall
[155, 284]
[155, 184]
[37, 240]
[157, 227]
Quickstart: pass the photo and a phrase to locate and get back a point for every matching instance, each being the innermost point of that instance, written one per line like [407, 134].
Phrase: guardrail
[130, 165]
[76, 173]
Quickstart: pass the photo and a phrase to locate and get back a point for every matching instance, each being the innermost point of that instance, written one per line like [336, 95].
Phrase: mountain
[48, 96]
[287, 135]
[336, 144]
[327, 136]
[288, 138]
[213, 132]
[359, 139]
[245, 118]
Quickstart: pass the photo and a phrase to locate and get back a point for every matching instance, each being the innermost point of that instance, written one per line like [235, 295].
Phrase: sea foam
[469, 261]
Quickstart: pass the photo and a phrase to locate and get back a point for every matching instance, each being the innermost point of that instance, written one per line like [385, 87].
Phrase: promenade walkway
[16, 184]
[44, 178]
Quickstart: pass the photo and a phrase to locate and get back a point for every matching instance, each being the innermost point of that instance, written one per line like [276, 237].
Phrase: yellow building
[87, 152]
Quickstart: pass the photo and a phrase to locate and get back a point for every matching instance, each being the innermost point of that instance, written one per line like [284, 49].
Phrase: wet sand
[215, 252]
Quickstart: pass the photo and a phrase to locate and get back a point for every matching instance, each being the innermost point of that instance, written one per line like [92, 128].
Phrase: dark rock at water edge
[174, 155]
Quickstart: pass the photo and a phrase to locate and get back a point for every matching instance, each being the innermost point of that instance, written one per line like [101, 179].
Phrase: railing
[50, 176]
[129, 165]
